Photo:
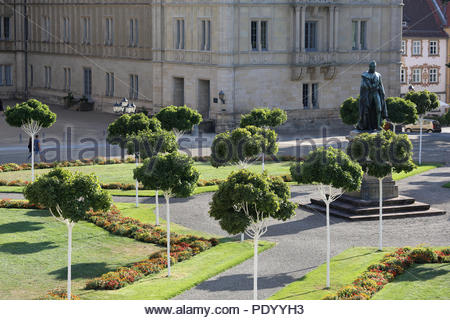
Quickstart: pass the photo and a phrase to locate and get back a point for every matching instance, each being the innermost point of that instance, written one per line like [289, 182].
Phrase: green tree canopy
[148, 143]
[73, 192]
[349, 111]
[264, 118]
[29, 111]
[330, 167]
[425, 101]
[179, 119]
[401, 110]
[258, 193]
[173, 173]
[379, 154]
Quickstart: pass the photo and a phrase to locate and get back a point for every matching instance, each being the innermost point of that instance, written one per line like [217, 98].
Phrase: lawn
[185, 275]
[419, 282]
[344, 269]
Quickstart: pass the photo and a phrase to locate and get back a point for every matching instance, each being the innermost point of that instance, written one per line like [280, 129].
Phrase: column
[302, 28]
[331, 32]
[336, 27]
[297, 28]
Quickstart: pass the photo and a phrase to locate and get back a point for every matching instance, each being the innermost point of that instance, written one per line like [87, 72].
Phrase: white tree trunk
[380, 240]
[420, 139]
[137, 184]
[32, 158]
[255, 267]
[327, 203]
[157, 207]
[242, 237]
[69, 259]
[263, 156]
[168, 232]
[394, 126]
[31, 129]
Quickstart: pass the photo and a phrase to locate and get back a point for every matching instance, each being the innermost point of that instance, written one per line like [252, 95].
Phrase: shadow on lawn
[421, 273]
[20, 226]
[26, 247]
[83, 271]
[38, 213]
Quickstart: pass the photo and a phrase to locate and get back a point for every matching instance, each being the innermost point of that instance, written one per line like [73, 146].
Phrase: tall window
[416, 75]
[403, 49]
[47, 77]
[31, 76]
[402, 75]
[417, 48]
[179, 34]
[67, 79]
[87, 82]
[110, 84]
[359, 35]
[133, 32]
[109, 31]
[259, 35]
[305, 96]
[134, 86]
[310, 36]
[315, 95]
[5, 75]
[205, 35]
[66, 29]
[46, 29]
[433, 48]
[5, 28]
[86, 30]
[433, 75]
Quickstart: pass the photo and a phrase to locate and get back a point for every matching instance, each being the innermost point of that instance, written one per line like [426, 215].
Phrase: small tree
[401, 111]
[179, 119]
[265, 119]
[68, 196]
[31, 116]
[349, 111]
[379, 155]
[174, 174]
[147, 144]
[334, 173]
[425, 101]
[245, 201]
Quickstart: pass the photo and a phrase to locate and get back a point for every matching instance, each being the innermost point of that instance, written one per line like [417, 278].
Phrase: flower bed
[18, 204]
[392, 265]
[59, 294]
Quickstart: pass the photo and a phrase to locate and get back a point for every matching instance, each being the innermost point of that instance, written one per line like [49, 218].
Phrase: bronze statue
[372, 103]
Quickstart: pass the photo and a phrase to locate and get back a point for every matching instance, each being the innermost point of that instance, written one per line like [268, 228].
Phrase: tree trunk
[168, 233]
[242, 237]
[32, 158]
[255, 267]
[380, 241]
[157, 207]
[420, 140]
[263, 156]
[137, 184]
[327, 203]
[393, 127]
[69, 260]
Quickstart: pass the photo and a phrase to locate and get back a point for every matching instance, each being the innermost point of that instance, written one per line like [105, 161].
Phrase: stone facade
[303, 56]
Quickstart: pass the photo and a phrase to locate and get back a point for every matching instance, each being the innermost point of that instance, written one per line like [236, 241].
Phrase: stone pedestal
[370, 189]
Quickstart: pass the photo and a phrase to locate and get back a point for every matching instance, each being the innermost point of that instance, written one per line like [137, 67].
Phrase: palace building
[221, 57]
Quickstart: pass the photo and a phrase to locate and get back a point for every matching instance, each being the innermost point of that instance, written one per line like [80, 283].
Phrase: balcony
[315, 59]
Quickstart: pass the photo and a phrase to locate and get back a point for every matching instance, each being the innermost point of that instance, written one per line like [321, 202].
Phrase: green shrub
[424, 255]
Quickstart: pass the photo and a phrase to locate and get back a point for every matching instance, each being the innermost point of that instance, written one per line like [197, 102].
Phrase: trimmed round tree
[334, 172]
[68, 196]
[245, 201]
[175, 175]
[379, 155]
[425, 101]
[401, 111]
[179, 119]
[349, 111]
[31, 116]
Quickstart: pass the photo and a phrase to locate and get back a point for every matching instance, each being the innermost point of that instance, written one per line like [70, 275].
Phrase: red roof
[423, 19]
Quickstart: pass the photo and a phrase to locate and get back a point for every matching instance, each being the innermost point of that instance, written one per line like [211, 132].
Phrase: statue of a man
[372, 104]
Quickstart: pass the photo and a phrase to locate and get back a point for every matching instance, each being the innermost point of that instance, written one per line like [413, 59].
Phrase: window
[109, 34]
[46, 29]
[416, 75]
[315, 95]
[133, 32]
[5, 75]
[259, 35]
[417, 48]
[359, 35]
[355, 35]
[433, 48]
[402, 75]
[87, 82]
[5, 28]
[433, 75]
[66, 30]
[134, 86]
[311, 36]
[27, 28]
[403, 48]
[110, 84]
[205, 35]
[363, 35]
[31, 76]
[86, 34]
[67, 79]
[179, 34]
[47, 77]
[305, 96]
